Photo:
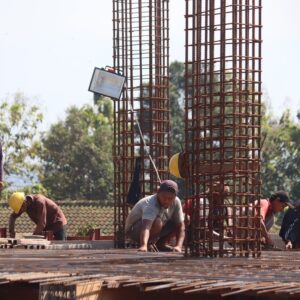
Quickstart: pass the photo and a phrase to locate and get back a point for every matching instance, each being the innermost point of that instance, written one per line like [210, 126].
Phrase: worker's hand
[177, 249]
[143, 248]
[289, 245]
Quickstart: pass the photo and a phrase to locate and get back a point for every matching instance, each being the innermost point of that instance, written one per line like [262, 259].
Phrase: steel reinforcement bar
[223, 126]
[142, 116]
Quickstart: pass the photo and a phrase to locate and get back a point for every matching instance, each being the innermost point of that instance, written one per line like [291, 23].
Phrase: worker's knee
[156, 227]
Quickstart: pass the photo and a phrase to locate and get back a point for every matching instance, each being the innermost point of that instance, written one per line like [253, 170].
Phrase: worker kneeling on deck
[268, 208]
[46, 214]
[155, 219]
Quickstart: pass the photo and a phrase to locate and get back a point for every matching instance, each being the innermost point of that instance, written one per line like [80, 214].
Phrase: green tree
[77, 154]
[177, 114]
[281, 155]
[20, 136]
[176, 103]
[281, 152]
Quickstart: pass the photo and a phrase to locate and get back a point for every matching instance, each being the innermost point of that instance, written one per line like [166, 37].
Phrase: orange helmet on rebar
[174, 165]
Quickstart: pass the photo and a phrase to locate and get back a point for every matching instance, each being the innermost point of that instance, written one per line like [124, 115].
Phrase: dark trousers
[61, 234]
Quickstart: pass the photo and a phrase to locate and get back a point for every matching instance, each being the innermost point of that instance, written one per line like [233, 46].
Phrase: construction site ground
[99, 273]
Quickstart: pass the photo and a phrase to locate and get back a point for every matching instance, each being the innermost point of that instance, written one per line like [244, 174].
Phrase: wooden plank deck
[275, 273]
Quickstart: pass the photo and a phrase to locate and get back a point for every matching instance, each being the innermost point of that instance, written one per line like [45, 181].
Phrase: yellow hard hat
[174, 165]
[16, 201]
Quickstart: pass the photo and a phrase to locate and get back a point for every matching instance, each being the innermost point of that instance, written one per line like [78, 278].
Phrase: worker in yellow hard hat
[44, 212]
[16, 201]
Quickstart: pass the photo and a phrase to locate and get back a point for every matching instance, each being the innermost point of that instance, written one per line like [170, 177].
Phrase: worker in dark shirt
[290, 227]
[46, 214]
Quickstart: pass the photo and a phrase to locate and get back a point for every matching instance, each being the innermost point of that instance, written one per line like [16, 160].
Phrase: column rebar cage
[141, 53]
[223, 126]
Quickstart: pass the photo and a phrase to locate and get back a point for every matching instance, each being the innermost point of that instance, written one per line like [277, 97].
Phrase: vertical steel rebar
[223, 125]
[141, 53]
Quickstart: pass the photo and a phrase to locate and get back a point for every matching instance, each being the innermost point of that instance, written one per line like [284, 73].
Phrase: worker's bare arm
[11, 225]
[144, 235]
[180, 233]
[265, 234]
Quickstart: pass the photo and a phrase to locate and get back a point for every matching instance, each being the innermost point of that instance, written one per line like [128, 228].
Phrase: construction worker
[290, 227]
[217, 211]
[268, 208]
[46, 214]
[157, 218]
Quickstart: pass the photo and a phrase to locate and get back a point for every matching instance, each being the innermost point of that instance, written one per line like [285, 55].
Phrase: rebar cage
[141, 54]
[223, 126]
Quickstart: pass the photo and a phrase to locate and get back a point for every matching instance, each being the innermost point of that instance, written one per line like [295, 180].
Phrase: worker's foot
[164, 247]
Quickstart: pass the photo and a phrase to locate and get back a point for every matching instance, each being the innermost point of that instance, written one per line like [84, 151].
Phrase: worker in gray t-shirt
[156, 218]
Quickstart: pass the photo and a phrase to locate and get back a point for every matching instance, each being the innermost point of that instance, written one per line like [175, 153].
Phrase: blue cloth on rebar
[134, 193]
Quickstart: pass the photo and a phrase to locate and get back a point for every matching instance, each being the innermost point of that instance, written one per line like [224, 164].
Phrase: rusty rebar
[141, 53]
[223, 126]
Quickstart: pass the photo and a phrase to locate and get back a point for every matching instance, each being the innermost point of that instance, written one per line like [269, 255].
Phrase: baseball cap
[169, 186]
[283, 197]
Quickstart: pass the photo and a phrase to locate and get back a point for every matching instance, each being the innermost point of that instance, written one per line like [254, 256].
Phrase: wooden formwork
[86, 288]
[114, 274]
[24, 243]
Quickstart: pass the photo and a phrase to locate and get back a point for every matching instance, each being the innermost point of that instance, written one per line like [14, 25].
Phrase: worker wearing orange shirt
[268, 208]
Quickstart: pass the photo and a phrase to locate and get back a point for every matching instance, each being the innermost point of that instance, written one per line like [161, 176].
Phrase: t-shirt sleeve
[264, 206]
[149, 212]
[178, 213]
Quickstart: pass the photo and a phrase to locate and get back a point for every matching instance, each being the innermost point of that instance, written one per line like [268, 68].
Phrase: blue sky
[48, 50]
